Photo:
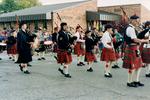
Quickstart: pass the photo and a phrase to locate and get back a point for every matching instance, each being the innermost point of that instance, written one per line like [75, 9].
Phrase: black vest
[127, 39]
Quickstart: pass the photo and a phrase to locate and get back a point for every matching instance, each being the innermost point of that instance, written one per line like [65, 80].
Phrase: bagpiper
[132, 57]
[65, 46]
[90, 46]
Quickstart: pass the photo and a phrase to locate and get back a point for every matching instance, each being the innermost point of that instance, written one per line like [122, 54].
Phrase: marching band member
[89, 55]
[145, 50]
[41, 51]
[108, 52]
[79, 47]
[24, 48]
[132, 58]
[64, 50]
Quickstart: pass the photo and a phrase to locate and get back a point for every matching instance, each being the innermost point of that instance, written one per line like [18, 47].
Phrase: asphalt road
[46, 83]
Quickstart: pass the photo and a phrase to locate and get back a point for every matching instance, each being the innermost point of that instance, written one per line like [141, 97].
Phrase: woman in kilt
[132, 57]
[79, 47]
[108, 52]
[89, 55]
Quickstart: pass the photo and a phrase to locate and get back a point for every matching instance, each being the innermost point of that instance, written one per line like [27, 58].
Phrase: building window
[45, 24]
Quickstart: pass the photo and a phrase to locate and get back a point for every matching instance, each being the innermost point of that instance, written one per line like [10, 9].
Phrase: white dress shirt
[77, 34]
[106, 38]
[130, 32]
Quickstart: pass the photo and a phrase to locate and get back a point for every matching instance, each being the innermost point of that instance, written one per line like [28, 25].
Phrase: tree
[12, 5]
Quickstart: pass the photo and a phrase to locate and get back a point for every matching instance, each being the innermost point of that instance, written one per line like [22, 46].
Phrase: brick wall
[75, 15]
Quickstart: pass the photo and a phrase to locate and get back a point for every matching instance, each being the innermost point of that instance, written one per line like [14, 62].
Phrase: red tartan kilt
[12, 50]
[108, 55]
[78, 50]
[145, 54]
[64, 57]
[90, 57]
[131, 61]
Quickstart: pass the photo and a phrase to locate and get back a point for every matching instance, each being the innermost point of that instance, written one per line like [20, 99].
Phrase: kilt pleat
[78, 50]
[108, 55]
[90, 57]
[131, 60]
[63, 57]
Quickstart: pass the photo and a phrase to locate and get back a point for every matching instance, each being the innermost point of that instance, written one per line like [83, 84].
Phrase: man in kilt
[108, 52]
[132, 58]
[64, 50]
[90, 46]
[79, 47]
[145, 50]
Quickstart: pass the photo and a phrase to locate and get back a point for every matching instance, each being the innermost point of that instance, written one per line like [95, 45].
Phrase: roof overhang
[103, 16]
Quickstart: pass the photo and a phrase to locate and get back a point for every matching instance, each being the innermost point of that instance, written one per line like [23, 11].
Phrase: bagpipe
[141, 35]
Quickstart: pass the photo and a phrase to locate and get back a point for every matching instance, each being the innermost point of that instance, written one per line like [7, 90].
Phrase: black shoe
[82, 63]
[61, 71]
[132, 85]
[29, 65]
[27, 72]
[79, 64]
[21, 68]
[108, 75]
[115, 66]
[67, 75]
[43, 58]
[10, 57]
[0, 58]
[148, 75]
[95, 61]
[90, 70]
[39, 58]
[139, 83]
[13, 59]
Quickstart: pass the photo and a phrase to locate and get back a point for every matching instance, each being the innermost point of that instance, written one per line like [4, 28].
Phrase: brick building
[138, 7]
[50, 16]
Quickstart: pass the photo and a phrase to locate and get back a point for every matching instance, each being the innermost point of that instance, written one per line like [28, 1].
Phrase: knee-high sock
[61, 67]
[130, 75]
[79, 59]
[106, 68]
[25, 68]
[148, 69]
[66, 69]
[82, 58]
[43, 54]
[137, 75]
[89, 65]
[109, 67]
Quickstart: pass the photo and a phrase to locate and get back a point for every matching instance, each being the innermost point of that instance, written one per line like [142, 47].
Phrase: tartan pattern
[12, 49]
[63, 57]
[90, 57]
[108, 55]
[78, 50]
[145, 55]
[131, 61]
